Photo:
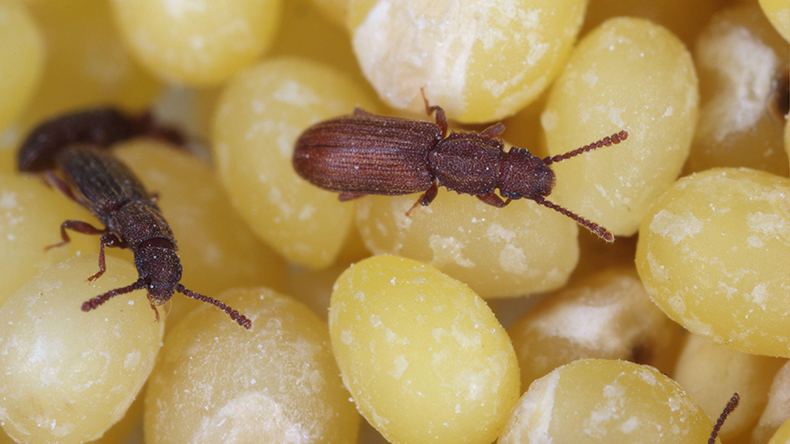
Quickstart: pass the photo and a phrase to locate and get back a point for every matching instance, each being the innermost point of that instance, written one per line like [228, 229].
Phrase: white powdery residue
[745, 65]
[549, 120]
[755, 242]
[283, 205]
[197, 42]
[402, 46]
[238, 33]
[399, 206]
[177, 9]
[647, 376]
[132, 360]
[498, 233]
[674, 403]
[693, 324]
[676, 227]
[448, 250]
[769, 225]
[590, 78]
[630, 425]
[306, 212]
[255, 416]
[513, 260]
[467, 339]
[438, 334]
[589, 326]
[658, 271]
[668, 112]
[399, 366]
[471, 384]
[393, 338]
[775, 412]
[498, 17]
[8, 200]
[375, 321]
[9, 136]
[537, 48]
[62, 429]
[721, 286]
[294, 93]
[346, 337]
[287, 135]
[614, 116]
[601, 189]
[258, 105]
[677, 304]
[608, 410]
[260, 130]
[532, 415]
[759, 294]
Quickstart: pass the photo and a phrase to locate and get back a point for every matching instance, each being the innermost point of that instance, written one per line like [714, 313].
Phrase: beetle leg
[345, 197]
[361, 112]
[427, 197]
[79, 227]
[55, 182]
[111, 240]
[441, 119]
[153, 306]
[494, 131]
[493, 199]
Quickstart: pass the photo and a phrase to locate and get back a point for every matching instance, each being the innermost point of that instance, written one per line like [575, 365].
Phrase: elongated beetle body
[94, 178]
[96, 126]
[364, 153]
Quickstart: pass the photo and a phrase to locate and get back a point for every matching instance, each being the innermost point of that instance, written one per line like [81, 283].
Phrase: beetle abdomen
[367, 154]
[101, 182]
[100, 126]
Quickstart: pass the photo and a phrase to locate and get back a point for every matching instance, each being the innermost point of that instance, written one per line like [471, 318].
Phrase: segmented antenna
[606, 141]
[736, 398]
[235, 315]
[592, 226]
[102, 298]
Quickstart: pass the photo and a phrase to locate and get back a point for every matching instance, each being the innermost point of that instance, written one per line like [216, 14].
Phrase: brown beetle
[364, 153]
[95, 126]
[74, 146]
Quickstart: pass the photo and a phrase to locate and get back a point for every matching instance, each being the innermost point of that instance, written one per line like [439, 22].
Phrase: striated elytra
[364, 153]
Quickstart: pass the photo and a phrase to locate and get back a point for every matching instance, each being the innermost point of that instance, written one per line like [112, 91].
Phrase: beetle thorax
[523, 175]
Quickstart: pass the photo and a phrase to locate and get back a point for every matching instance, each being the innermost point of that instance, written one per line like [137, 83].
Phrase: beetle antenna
[235, 315]
[102, 298]
[602, 232]
[736, 398]
[606, 141]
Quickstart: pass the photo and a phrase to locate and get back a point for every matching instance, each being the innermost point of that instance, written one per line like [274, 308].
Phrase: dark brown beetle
[107, 188]
[364, 153]
[96, 126]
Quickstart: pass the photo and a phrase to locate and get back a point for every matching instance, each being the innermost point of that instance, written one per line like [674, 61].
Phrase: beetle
[94, 178]
[365, 153]
[101, 126]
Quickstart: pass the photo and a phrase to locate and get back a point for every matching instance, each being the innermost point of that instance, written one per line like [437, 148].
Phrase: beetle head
[160, 269]
[523, 175]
